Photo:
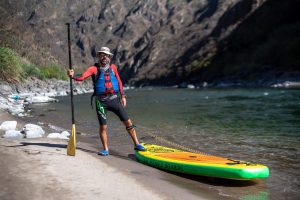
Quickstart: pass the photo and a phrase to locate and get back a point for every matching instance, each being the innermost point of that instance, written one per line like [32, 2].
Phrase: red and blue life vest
[107, 82]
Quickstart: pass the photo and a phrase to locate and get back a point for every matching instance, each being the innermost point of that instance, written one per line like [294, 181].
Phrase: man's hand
[70, 72]
[123, 101]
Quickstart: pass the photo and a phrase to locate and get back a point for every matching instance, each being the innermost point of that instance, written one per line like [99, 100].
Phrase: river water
[256, 125]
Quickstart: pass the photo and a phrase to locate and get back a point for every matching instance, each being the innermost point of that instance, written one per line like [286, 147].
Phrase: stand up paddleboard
[199, 164]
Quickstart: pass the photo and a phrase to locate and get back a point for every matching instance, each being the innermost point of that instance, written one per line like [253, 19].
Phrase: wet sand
[41, 169]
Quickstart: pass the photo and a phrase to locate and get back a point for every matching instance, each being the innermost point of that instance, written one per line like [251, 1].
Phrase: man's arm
[86, 74]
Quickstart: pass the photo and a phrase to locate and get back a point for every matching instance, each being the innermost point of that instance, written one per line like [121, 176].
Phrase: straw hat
[105, 50]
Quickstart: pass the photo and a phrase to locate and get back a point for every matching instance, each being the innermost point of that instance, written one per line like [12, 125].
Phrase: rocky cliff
[154, 41]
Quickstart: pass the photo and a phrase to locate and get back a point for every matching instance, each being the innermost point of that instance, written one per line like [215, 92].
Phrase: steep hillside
[263, 48]
[155, 41]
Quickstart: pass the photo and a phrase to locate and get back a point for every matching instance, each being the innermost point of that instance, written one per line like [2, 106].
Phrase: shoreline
[25, 161]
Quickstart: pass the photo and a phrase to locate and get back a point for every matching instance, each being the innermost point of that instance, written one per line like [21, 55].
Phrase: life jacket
[105, 82]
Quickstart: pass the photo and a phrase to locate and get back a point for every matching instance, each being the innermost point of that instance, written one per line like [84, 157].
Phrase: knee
[103, 128]
[127, 123]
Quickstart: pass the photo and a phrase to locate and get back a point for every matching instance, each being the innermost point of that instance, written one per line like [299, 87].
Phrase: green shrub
[12, 69]
[32, 70]
[10, 66]
[53, 71]
[46, 72]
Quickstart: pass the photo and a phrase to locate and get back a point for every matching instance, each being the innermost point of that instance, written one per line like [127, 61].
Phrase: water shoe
[140, 147]
[103, 153]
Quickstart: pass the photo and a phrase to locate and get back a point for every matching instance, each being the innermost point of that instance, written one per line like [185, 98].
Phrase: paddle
[72, 142]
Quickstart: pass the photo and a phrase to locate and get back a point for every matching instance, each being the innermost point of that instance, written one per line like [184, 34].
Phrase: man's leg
[103, 136]
[101, 114]
[119, 110]
[130, 129]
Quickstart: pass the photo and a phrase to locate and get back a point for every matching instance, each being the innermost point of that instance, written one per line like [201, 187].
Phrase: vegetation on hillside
[14, 70]
[10, 66]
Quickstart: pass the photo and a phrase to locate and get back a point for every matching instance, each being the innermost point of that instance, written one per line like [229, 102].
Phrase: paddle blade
[72, 142]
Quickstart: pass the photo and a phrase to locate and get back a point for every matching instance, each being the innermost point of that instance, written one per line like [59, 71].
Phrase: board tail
[71, 149]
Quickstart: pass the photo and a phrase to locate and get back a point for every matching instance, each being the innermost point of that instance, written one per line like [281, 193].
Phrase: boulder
[65, 134]
[54, 135]
[190, 86]
[33, 134]
[13, 134]
[57, 136]
[8, 125]
[33, 131]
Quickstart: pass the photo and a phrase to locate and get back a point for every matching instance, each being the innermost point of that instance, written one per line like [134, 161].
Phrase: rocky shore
[15, 97]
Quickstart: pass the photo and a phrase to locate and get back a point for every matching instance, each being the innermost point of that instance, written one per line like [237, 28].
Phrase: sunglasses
[104, 55]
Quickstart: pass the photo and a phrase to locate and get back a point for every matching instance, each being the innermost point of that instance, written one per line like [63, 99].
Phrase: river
[259, 125]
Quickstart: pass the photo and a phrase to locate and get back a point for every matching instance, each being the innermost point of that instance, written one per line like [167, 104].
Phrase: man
[107, 86]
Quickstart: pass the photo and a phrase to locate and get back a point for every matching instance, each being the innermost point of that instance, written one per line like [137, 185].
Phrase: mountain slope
[157, 41]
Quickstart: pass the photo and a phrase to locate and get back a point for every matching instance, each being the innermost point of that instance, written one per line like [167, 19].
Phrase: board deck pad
[199, 163]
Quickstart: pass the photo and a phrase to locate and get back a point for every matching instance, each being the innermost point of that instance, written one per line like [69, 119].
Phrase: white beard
[104, 68]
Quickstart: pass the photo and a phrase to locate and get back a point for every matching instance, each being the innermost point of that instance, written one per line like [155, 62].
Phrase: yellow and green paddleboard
[199, 164]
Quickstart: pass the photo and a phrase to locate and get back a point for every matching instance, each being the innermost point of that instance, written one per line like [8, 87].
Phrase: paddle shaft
[70, 67]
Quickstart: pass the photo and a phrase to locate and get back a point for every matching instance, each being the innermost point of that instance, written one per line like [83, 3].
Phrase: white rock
[190, 86]
[27, 94]
[64, 138]
[3, 100]
[33, 131]
[16, 109]
[21, 115]
[50, 94]
[8, 125]
[65, 134]
[33, 134]
[40, 99]
[3, 106]
[54, 135]
[13, 134]
[57, 136]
